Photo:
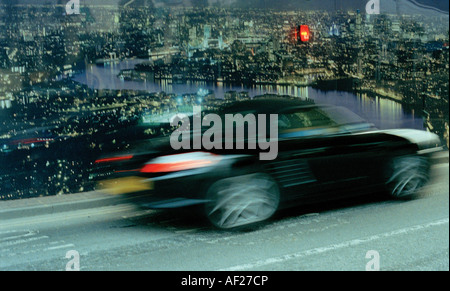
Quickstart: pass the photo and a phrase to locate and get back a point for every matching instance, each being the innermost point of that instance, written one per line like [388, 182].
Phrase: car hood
[423, 139]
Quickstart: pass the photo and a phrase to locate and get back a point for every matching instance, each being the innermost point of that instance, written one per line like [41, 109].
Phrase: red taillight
[180, 162]
[114, 159]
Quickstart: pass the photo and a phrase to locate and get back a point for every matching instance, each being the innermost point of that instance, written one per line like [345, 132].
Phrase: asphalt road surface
[357, 235]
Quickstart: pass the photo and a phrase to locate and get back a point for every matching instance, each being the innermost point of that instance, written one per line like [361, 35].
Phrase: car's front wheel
[242, 200]
[407, 174]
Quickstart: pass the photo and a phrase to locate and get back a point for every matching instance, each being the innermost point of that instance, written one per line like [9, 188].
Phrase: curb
[54, 204]
[13, 209]
[440, 157]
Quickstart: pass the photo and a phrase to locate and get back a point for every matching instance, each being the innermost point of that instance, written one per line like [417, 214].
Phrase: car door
[316, 157]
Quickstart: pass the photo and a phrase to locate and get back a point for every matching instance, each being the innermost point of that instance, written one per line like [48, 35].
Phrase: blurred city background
[75, 86]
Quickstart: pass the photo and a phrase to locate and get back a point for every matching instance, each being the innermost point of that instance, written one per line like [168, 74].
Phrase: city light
[304, 33]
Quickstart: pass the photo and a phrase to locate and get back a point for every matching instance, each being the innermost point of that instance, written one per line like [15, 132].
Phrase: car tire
[242, 201]
[406, 175]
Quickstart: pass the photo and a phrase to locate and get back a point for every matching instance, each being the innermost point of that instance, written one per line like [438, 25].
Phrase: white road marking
[60, 247]
[107, 210]
[17, 235]
[21, 241]
[333, 247]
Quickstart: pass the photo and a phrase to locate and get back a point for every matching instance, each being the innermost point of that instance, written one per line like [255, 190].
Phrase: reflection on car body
[325, 152]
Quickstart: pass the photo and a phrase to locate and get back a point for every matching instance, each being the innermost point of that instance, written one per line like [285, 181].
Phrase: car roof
[266, 105]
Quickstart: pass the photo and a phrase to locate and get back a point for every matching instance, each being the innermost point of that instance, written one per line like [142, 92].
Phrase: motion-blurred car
[324, 153]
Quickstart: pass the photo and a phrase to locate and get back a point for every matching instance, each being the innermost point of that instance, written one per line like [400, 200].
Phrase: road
[369, 233]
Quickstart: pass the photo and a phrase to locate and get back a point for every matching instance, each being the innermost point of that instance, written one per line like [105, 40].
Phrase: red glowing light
[180, 162]
[174, 167]
[304, 33]
[114, 159]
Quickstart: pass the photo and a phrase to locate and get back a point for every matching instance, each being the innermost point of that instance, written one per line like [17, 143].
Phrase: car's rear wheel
[241, 201]
[407, 174]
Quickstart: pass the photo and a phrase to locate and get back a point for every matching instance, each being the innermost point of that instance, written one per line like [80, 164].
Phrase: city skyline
[65, 97]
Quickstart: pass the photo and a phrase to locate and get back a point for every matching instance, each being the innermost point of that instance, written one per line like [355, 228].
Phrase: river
[383, 113]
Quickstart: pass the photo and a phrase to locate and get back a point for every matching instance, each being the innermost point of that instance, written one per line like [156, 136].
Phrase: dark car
[323, 153]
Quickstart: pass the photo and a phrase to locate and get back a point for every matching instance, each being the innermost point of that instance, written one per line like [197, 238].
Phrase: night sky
[406, 6]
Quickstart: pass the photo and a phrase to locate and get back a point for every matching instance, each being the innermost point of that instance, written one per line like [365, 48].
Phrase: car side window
[303, 119]
[304, 122]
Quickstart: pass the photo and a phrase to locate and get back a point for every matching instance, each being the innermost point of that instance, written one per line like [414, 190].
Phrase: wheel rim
[408, 175]
[242, 200]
